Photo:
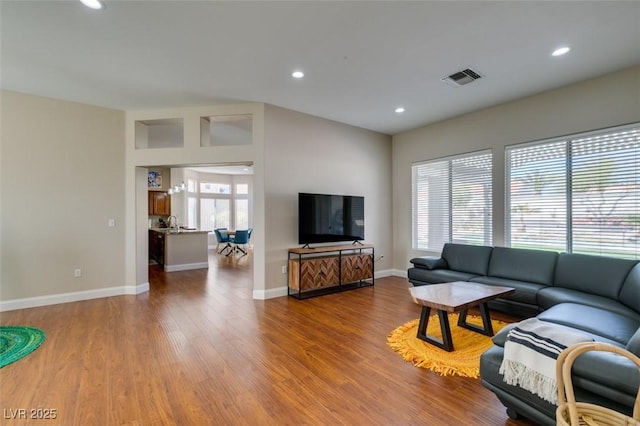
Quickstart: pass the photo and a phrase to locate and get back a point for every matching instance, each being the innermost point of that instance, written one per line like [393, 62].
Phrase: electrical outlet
[284, 269]
[112, 223]
[77, 273]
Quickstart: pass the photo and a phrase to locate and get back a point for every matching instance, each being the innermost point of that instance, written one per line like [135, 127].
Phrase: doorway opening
[197, 199]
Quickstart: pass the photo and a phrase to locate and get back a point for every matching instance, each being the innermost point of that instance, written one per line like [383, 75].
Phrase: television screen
[326, 218]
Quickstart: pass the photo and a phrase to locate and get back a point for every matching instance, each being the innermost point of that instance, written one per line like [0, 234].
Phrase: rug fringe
[403, 339]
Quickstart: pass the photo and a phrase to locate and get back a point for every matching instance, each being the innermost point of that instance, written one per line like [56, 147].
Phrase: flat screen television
[324, 218]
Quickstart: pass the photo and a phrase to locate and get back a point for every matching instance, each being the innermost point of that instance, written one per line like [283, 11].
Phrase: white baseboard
[383, 273]
[270, 293]
[282, 291]
[137, 289]
[186, 266]
[399, 273]
[54, 299]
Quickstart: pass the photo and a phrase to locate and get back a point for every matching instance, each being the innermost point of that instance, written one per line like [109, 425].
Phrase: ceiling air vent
[461, 78]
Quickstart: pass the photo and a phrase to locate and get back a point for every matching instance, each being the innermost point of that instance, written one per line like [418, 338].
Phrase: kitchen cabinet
[159, 203]
[156, 246]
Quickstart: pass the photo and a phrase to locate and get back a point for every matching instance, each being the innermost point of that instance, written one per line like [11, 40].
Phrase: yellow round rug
[468, 346]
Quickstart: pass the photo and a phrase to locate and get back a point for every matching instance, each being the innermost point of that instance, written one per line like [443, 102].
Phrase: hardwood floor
[198, 350]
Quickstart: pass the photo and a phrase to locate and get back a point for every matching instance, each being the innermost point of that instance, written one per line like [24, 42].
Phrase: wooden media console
[329, 269]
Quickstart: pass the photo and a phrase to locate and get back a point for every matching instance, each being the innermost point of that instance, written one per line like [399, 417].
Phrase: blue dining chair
[222, 239]
[240, 239]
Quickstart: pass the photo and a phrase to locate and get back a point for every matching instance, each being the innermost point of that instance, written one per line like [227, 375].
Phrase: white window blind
[214, 213]
[606, 194]
[537, 203]
[580, 194]
[452, 201]
[192, 212]
[242, 213]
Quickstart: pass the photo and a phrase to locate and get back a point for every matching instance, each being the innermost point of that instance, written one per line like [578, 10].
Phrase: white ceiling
[361, 59]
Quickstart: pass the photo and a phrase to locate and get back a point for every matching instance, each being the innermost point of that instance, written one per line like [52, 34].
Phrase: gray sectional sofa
[599, 296]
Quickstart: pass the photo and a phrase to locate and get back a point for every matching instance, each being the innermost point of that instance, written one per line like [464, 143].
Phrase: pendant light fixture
[177, 189]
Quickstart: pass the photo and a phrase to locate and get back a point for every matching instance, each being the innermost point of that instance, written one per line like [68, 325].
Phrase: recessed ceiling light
[399, 110]
[297, 74]
[561, 51]
[93, 4]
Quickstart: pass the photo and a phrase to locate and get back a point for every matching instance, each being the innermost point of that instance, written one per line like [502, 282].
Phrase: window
[214, 213]
[215, 188]
[218, 202]
[452, 201]
[579, 194]
[242, 189]
[192, 212]
[242, 206]
[242, 213]
[537, 204]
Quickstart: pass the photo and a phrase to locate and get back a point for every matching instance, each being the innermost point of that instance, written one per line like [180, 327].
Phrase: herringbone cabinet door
[314, 273]
[357, 267]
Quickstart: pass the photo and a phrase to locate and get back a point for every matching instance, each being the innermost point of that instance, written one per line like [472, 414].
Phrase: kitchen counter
[179, 250]
[179, 231]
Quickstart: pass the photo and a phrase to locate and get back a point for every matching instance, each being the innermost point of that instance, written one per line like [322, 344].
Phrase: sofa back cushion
[467, 258]
[599, 275]
[630, 292]
[535, 266]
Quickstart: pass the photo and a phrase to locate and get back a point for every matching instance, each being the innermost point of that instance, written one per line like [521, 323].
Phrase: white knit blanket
[530, 354]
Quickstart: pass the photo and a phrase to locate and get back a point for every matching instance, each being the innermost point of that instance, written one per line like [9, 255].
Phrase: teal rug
[17, 342]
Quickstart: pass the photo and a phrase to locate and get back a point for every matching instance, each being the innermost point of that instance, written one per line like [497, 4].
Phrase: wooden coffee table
[457, 296]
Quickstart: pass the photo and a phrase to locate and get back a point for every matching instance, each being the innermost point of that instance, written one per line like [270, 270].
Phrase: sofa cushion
[611, 380]
[500, 337]
[600, 322]
[551, 296]
[490, 362]
[599, 275]
[536, 266]
[430, 262]
[525, 292]
[602, 373]
[633, 345]
[426, 276]
[630, 292]
[467, 258]
[513, 308]
[607, 374]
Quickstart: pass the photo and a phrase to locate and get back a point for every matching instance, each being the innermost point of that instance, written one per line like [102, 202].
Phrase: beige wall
[62, 168]
[607, 101]
[304, 153]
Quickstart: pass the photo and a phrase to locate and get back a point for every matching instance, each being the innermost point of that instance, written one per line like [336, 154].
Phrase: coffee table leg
[486, 329]
[446, 342]
[424, 321]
